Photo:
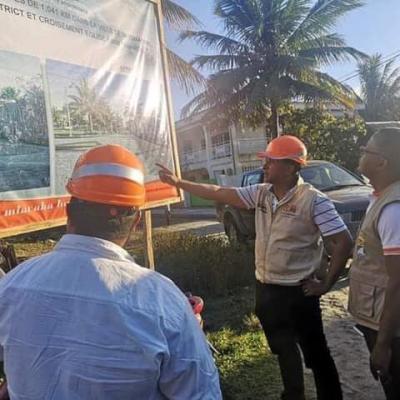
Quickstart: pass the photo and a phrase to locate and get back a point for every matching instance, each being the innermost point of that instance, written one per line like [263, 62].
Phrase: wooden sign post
[148, 240]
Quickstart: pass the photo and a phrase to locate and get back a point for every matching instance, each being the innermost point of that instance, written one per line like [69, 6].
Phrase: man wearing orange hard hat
[291, 217]
[85, 321]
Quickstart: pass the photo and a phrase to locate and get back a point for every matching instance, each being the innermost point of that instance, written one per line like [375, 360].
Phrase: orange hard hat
[108, 174]
[286, 147]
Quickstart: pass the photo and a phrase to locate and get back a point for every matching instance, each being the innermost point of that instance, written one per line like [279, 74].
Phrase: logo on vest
[360, 243]
[289, 209]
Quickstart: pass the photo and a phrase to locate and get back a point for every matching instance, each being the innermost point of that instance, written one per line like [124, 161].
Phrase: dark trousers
[390, 384]
[291, 320]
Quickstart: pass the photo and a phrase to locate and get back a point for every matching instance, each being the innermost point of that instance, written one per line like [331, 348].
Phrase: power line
[388, 58]
[384, 60]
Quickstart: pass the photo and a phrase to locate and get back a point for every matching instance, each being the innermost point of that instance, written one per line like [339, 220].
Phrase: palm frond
[332, 54]
[220, 61]
[323, 16]
[242, 19]
[187, 77]
[178, 17]
[221, 43]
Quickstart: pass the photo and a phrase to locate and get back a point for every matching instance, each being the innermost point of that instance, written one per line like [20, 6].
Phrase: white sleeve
[389, 230]
[248, 194]
[189, 372]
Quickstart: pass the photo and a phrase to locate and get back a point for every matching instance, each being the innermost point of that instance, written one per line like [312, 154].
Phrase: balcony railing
[221, 151]
[194, 157]
[251, 146]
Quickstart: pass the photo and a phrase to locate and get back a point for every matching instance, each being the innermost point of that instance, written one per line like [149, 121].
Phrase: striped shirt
[325, 216]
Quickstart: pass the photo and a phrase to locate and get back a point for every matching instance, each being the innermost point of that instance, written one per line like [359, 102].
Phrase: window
[253, 179]
[220, 139]
[328, 176]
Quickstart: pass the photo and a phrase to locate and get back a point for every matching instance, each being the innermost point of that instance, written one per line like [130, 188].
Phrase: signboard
[74, 75]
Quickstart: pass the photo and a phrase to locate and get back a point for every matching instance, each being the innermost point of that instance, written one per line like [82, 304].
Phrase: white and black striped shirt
[325, 216]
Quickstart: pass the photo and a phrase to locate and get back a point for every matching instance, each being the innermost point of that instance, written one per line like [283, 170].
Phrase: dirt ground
[348, 349]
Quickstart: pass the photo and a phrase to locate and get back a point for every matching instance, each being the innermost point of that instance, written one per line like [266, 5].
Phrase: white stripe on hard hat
[118, 170]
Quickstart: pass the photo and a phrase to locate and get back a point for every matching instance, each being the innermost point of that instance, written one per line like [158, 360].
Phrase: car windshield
[328, 176]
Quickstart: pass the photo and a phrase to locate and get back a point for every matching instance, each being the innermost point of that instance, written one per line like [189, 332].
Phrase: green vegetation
[272, 52]
[23, 113]
[336, 139]
[380, 86]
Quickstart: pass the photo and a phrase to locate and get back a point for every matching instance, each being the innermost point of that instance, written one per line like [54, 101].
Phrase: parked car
[348, 191]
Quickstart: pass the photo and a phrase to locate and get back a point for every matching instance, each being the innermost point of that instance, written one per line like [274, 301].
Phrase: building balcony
[196, 157]
[251, 145]
[221, 151]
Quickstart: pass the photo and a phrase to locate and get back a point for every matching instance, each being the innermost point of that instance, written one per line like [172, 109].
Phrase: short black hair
[387, 141]
[295, 164]
[100, 220]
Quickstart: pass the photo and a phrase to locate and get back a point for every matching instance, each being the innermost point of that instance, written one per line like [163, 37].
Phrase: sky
[373, 28]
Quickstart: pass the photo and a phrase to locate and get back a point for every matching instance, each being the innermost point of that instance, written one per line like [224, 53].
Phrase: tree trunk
[274, 121]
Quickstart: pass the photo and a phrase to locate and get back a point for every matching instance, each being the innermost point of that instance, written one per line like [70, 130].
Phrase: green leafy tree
[272, 51]
[380, 89]
[9, 93]
[336, 139]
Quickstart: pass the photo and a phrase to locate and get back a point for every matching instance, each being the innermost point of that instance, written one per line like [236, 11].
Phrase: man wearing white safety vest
[85, 321]
[290, 218]
[374, 298]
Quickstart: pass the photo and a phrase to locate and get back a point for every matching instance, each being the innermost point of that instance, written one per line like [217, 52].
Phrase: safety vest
[288, 243]
[368, 276]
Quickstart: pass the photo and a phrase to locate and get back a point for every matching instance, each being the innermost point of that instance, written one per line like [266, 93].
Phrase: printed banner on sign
[74, 75]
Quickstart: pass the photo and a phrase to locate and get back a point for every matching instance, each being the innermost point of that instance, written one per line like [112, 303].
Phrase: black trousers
[391, 384]
[292, 321]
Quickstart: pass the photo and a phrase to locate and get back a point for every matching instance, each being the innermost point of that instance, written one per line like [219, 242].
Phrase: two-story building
[208, 150]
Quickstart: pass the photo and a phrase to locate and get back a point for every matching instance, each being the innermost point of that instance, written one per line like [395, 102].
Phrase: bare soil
[348, 349]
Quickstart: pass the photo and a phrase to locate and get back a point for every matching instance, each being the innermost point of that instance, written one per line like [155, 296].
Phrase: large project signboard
[76, 74]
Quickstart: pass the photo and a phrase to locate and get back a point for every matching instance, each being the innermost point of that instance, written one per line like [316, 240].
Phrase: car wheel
[232, 231]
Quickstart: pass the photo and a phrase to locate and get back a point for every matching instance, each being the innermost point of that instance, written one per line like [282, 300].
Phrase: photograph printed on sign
[92, 108]
[24, 142]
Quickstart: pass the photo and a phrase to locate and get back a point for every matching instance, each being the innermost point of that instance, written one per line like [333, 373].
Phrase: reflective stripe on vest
[117, 170]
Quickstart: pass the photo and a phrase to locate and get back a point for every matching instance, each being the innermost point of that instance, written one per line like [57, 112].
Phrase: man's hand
[380, 361]
[314, 287]
[167, 176]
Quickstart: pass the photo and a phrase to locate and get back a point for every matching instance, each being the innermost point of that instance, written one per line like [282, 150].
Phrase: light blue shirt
[85, 322]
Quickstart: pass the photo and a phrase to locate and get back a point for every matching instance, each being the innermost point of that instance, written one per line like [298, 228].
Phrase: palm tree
[178, 18]
[272, 51]
[380, 89]
[86, 101]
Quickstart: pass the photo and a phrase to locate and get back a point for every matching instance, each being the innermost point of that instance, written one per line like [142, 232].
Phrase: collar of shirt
[276, 202]
[89, 244]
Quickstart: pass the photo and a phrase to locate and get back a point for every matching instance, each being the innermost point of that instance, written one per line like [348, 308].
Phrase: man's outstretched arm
[227, 195]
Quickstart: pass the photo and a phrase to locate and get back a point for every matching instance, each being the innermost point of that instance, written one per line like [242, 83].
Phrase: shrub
[204, 265]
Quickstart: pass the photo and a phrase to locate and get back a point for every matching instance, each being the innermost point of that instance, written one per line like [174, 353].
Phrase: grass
[247, 368]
